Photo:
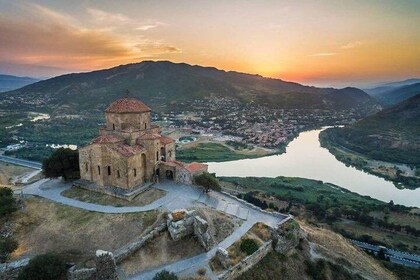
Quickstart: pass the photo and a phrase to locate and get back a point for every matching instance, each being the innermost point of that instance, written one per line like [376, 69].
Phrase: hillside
[164, 85]
[390, 135]
[8, 82]
[393, 93]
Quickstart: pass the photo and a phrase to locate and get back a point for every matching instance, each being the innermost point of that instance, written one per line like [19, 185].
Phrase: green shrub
[165, 275]
[44, 267]
[7, 202]
[63, 162]
[207, 181]
[7, 246]
[249, 246]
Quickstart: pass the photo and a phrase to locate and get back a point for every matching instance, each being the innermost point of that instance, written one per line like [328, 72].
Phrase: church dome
[127, 105]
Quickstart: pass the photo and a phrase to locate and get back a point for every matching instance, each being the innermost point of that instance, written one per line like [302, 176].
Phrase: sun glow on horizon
[310, 42]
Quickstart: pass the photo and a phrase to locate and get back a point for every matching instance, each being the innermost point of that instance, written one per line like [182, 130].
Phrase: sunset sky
[313, 42]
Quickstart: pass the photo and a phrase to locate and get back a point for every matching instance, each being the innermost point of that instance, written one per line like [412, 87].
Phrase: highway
[395, 256]
[21, 162]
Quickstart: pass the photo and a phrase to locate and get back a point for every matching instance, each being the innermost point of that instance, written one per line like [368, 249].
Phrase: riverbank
[334, 208]
[218, 152]
[401, 175]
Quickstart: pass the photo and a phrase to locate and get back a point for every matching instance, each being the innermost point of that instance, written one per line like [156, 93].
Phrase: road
[21, 162]
[395, 256]
[177, 196]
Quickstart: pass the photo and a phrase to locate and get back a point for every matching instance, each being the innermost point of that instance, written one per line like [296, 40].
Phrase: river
[304, 157]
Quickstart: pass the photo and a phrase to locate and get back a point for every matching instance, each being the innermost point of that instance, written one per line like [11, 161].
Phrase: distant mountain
[395, 92]
[164, 85]
[8, 82]
[392, 134]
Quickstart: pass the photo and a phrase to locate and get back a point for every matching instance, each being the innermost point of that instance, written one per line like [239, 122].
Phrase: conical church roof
[127, 105]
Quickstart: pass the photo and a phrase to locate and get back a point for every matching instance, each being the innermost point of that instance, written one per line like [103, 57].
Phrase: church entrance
[169, 174]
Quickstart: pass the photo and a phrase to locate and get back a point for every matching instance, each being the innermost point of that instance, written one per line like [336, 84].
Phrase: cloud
[117, 20]
[59, 40]
[323, 54]
[352, 45]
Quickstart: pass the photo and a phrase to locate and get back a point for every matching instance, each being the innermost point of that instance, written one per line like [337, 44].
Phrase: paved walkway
[177, 196]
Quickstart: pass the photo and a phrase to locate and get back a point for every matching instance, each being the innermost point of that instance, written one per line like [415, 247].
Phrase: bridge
[398, 257]
[21, 162]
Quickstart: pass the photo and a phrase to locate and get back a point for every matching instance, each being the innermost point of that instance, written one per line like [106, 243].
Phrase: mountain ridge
[155, 81]
[11, 82]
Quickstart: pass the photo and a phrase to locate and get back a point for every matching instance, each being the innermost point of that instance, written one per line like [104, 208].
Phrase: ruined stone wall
[10, 271]
[131, 248]
[189, 224]
[81, 274]
[248, 262]
[106, 268]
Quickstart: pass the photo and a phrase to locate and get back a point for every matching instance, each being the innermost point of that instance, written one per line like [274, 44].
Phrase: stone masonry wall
[10, 271]
[245, 264]
[129, 249]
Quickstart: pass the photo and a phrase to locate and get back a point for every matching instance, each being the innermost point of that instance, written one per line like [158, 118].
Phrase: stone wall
[246, 263]
[106, 268]
[182, 223]
[129, 249]
[286, 237]
[10, 271]
[81, 274]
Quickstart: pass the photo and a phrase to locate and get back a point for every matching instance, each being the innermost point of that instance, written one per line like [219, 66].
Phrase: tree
[7, 202]
[63, 162]
[44, 267]
[7, 246]
[249, 246]
[207, 181]
[165, 275]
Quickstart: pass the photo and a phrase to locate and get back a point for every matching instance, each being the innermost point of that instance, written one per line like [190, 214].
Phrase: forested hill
[164, 85]
[391, 135]
[396, 94]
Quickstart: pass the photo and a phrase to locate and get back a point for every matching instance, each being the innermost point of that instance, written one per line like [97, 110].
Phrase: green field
[304, 190]
[350, 214]
[205, 152]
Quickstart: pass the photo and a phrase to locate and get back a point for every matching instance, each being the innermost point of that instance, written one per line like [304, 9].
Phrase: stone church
[130, 152]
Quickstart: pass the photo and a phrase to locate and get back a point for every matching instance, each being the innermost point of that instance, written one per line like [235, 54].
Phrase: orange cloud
[56, 40]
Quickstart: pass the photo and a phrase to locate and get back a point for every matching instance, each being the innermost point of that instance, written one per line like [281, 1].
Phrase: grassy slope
[305, 193]
[76, 234]
[205, 152]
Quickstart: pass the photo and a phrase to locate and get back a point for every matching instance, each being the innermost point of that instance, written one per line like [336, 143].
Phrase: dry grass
[392, 238]
[142, 199]
[161, 250]
[262, 231]
[340, 250]
[76, 234]
[8, 171]
[221, 225]
[258, 232]
[399, 218]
